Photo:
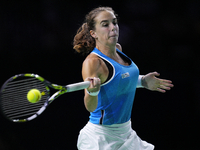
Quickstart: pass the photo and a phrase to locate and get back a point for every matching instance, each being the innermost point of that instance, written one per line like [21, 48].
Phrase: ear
[93, 34]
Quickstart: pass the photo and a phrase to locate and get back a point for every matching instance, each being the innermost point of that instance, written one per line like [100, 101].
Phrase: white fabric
[139, 83]
[114, 137]
[93, 93]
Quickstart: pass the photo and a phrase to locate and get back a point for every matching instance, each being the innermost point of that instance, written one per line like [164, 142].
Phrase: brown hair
[83, 42]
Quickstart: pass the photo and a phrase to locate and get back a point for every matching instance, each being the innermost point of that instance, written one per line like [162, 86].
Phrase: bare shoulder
[92, 61]
[91, 66]
[118, 46]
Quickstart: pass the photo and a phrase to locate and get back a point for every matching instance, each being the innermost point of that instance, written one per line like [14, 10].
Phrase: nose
[113, 27]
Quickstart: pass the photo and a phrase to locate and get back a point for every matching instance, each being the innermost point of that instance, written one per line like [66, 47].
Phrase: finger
[99, 81]
[96, 81]
[91, 82]
[92, 86]
[164, 87]
[89, 79]
[96, 84]
[164, 80]
[168, 84]
[160, 90]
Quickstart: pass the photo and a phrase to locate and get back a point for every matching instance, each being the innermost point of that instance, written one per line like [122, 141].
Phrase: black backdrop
[162, 36]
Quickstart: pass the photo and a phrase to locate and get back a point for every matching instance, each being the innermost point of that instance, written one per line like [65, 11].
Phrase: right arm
[91, 72]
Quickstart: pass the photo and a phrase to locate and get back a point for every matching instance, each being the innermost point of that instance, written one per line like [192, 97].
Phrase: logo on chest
[125, 75]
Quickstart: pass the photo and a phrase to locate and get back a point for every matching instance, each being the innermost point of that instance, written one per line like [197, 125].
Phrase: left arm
[151, 82]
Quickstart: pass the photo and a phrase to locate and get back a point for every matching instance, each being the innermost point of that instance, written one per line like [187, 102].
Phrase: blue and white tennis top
[116, 96]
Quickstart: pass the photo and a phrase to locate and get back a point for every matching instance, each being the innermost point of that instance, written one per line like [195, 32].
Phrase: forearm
[90, 102]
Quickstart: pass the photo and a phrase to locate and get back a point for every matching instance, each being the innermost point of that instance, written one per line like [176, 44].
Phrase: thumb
[156, 73]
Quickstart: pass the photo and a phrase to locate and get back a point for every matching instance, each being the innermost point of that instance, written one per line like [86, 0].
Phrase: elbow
[90, 109]
[90, 104]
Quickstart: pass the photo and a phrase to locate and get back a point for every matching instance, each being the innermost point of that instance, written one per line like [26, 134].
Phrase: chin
[113, 44]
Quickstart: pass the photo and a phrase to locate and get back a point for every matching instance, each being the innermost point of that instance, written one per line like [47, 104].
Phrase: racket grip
[78, 86]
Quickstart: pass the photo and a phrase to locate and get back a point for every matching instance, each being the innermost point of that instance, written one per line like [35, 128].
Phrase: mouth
[114, 35]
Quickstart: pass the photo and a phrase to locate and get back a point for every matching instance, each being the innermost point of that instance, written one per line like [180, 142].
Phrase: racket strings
[14, 98]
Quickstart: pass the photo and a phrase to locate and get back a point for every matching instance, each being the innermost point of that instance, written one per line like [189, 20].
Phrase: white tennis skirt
[113, 137]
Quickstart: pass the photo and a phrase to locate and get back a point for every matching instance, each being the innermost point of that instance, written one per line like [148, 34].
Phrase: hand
[95, 84]
[152, 83]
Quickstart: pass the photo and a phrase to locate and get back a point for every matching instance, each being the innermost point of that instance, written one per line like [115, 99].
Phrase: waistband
[124, 127]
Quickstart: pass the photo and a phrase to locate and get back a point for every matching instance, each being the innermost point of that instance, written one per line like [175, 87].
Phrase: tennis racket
[13, 96]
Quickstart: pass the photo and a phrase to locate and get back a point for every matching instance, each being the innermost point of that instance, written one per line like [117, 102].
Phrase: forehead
[105, 15]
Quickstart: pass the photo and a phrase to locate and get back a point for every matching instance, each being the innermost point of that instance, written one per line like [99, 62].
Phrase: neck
[109, 51]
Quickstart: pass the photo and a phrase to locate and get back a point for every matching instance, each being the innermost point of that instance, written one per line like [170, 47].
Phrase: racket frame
[61, 90]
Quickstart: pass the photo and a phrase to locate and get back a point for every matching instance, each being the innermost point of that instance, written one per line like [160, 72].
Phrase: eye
[105, 24]
[115, 22]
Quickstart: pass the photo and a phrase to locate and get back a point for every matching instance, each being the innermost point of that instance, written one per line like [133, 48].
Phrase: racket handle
[78, 86]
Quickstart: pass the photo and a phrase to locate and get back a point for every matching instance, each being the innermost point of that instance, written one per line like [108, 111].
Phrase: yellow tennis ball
[34, 96]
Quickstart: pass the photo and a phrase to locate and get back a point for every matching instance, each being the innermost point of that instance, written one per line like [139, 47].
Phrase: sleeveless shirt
[116, 96]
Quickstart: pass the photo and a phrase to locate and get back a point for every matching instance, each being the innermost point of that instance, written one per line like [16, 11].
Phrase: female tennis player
[114, 78]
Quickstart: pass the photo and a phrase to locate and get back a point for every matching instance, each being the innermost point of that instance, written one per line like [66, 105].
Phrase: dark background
[163, 36]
